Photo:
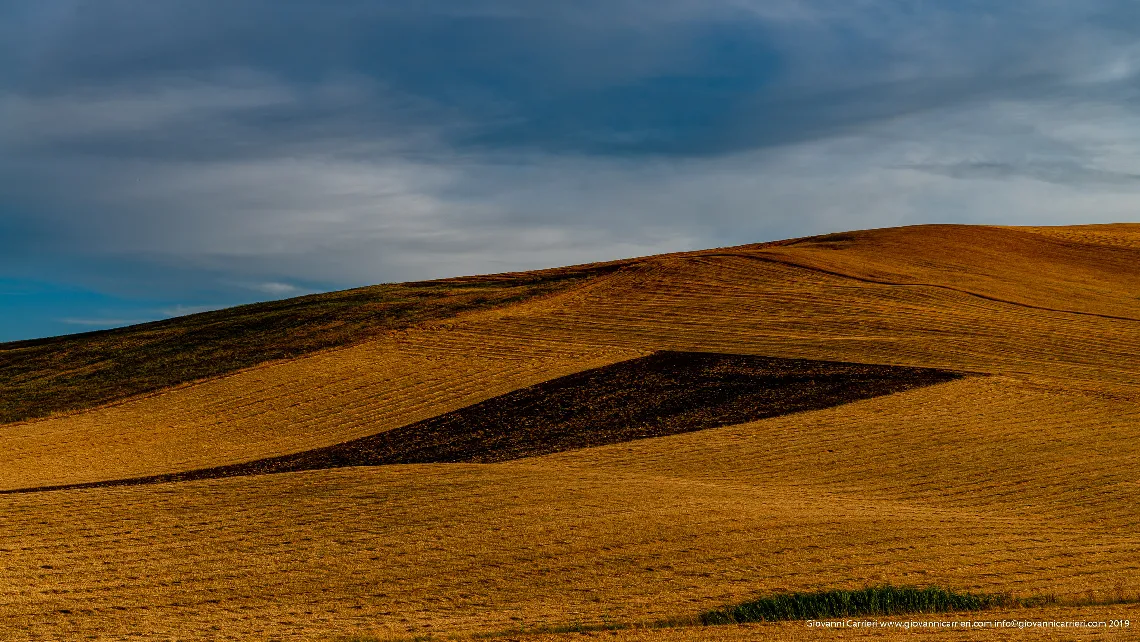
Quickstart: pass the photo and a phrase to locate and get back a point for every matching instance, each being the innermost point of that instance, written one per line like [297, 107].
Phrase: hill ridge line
[771, 259]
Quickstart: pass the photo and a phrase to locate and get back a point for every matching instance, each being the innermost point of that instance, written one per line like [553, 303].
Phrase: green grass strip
[876, 600]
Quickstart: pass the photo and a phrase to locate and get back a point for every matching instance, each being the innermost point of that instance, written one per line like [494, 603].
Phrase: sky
[164, 157]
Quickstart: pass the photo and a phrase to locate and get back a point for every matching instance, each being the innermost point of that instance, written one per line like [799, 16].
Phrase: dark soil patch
[665, 393]
[880, 601]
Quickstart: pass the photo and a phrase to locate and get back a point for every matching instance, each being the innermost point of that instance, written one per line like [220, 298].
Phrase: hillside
[79, 371]
[1016, 478]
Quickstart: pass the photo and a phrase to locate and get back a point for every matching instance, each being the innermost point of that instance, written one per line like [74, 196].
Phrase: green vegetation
[877, 600]
[74, 372]
[883, 600]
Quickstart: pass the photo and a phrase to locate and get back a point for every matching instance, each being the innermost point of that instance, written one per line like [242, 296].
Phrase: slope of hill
[665, 393]
[1021, 480]
[75, 372]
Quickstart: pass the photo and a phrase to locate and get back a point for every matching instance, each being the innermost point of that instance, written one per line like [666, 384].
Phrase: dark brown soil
[665, 393]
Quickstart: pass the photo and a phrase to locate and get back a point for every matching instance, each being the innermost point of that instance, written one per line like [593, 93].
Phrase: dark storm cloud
[674, 78]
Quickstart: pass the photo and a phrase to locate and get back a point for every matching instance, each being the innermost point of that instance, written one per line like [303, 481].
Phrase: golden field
[1021, 478]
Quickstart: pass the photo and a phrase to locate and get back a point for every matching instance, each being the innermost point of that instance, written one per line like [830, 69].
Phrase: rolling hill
[1012, 471]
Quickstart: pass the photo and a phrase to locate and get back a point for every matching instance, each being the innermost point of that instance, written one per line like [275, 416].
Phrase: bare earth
[1021, 479]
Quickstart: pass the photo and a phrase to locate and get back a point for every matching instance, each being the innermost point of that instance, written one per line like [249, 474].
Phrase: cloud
[103, 112]
[274, 288]
[1061, 173]
[183, 310]
[102, 323]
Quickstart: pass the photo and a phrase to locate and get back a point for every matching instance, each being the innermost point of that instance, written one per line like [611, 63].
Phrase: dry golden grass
[1116, 234]
[76, 372]
[270, 410]
[1022, 480]
[1002, 263]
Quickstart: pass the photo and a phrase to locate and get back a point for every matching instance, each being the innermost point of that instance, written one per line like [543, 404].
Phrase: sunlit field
[1010, 471]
